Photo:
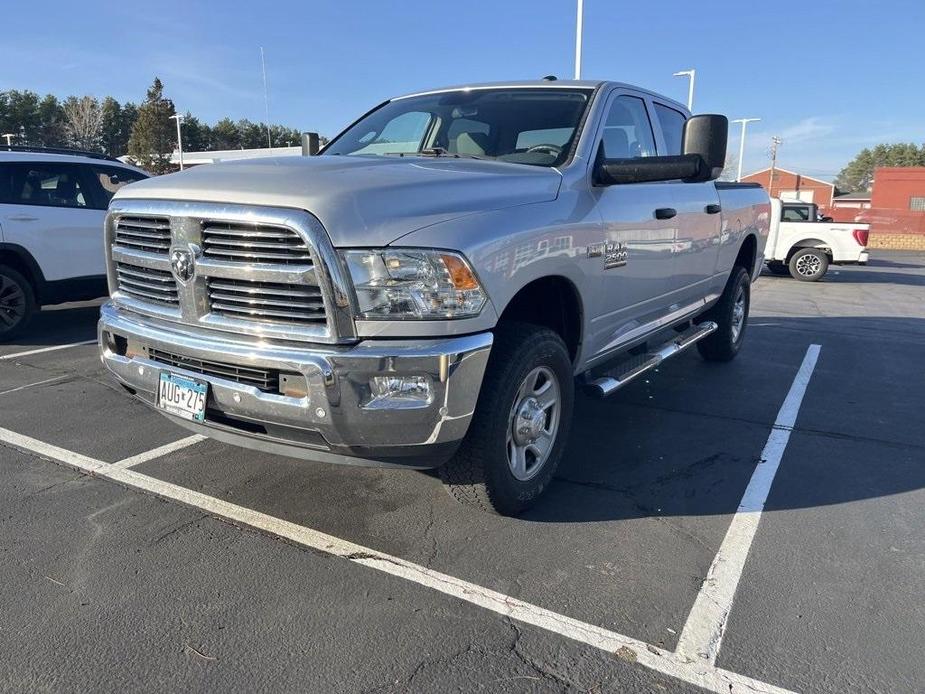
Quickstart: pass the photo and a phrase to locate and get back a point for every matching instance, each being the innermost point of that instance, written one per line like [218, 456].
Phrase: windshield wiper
[435, 152]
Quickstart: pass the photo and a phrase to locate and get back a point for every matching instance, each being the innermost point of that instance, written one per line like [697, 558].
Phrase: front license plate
[182, 396]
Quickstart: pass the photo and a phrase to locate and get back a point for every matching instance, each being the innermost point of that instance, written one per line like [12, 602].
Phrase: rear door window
[110, 179]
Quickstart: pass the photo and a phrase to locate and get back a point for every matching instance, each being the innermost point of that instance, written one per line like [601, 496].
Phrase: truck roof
[545, 84]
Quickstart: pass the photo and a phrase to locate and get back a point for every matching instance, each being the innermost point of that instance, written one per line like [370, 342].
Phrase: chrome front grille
[150, 234]
[270, 301]
[264, 379]
[263, 272]
[147, 284]
[254, 243]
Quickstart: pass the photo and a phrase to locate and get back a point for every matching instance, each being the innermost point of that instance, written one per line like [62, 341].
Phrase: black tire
[776, 267]
[724, 343]
[17, 303]
[809, 264]
[479, 474]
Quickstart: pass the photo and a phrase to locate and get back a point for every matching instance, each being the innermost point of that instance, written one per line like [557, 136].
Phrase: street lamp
[581, 11]
[692, 74]
[744, 122]
[9, 137]
[177, 117]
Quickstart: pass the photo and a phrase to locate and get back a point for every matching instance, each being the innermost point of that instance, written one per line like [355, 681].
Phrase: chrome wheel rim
[12, 303]
[738, 314]
[808, 265]
[533, 423]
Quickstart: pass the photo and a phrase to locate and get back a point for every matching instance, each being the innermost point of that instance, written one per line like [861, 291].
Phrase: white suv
[52, 206]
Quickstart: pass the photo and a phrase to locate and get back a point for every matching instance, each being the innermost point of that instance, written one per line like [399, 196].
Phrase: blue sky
[829, 77]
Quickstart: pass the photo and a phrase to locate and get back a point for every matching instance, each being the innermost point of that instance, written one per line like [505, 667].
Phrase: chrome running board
[627, 370]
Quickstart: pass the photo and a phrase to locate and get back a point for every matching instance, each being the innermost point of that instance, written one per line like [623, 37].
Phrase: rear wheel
[520, 424]
[731, 317]
[17, 302]
[809, 264]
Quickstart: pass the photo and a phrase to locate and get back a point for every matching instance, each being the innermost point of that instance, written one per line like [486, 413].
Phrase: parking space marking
[693, 671]
[157, 452]
[32, 385]
[703, 632]
[46, 349]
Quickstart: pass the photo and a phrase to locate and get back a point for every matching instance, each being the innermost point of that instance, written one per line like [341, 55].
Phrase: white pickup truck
[803, 244]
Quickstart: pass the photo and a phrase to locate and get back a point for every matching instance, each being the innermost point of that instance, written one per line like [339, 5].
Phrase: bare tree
[731, 169]
[84, 122]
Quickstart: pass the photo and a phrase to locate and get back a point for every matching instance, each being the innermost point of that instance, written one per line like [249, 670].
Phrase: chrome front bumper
[335, 421]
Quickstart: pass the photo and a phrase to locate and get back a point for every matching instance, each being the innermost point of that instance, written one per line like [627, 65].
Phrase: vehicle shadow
[56, 325]
[857, 275]
[686, 442]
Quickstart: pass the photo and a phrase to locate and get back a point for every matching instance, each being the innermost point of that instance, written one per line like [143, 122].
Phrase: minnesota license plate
[182, 396]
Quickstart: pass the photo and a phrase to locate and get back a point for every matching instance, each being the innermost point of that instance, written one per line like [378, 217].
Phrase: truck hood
[361, 201]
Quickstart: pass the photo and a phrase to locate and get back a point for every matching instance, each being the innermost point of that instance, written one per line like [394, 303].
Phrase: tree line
[144, 131]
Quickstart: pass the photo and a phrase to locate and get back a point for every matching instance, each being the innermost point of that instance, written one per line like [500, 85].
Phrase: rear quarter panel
[746, 211]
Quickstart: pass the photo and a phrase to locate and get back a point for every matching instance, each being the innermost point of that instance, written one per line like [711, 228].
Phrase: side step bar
[626, 371]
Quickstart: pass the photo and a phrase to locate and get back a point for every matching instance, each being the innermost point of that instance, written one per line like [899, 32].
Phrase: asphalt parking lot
[136, 557]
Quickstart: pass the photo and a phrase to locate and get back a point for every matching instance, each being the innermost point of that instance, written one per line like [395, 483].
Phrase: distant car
[803, 243]
[52, 207]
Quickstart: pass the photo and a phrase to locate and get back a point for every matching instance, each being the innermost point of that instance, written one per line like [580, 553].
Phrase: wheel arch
[552, 301]
[21, 260]
[809, 243]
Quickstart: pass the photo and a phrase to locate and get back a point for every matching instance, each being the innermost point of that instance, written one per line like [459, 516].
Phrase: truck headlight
[413, 284]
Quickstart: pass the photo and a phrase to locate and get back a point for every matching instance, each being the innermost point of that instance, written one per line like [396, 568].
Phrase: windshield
[523, 126]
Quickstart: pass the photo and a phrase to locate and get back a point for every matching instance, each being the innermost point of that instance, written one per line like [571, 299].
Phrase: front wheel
[17, 303]
[731, 317]
[520, 424]
[809, 264]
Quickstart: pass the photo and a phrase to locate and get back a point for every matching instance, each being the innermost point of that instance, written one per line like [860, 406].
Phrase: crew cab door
[633, 263]
[698, 221]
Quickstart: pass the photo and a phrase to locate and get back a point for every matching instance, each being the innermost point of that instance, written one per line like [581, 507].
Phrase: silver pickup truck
[430, 289]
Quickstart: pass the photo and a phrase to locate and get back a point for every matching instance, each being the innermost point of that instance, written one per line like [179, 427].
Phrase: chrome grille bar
[254, 243]
[147, 284]
[151, 234]
[266, 300]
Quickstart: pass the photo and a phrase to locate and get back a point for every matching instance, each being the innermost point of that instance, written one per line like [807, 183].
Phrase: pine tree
[154, 134]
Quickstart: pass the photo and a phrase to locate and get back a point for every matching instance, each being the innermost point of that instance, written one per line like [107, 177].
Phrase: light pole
[692, 74]
[744, 122]
[9, 137]
[581, 11]
[177, 117]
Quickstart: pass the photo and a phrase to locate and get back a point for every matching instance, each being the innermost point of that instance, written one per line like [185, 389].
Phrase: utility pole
[692, 75]
[581, 11]
[179, 118]
[9, 136]
[744, 122]
[775, 143]
[266, 95]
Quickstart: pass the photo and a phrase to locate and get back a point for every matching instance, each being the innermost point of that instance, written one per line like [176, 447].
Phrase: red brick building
[790, 185]
[897, 208]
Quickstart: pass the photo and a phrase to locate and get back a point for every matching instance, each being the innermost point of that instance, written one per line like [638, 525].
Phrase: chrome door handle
[713, 208]
[665, 213]
[23, 218]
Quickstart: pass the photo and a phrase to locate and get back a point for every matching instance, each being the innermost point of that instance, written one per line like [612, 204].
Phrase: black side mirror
[687, 167]
[706, 136]
[311, 143]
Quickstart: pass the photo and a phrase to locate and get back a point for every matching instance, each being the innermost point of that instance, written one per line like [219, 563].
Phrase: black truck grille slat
[269, 301]
[264, 379]
[254, 243]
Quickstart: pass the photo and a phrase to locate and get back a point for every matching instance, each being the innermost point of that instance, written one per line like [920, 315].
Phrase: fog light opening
[399, 392]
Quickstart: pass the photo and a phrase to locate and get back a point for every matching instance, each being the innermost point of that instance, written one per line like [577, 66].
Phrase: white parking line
[157, 452]
[693, 671]
[703, 632]
[46, 349]
[32, 385]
